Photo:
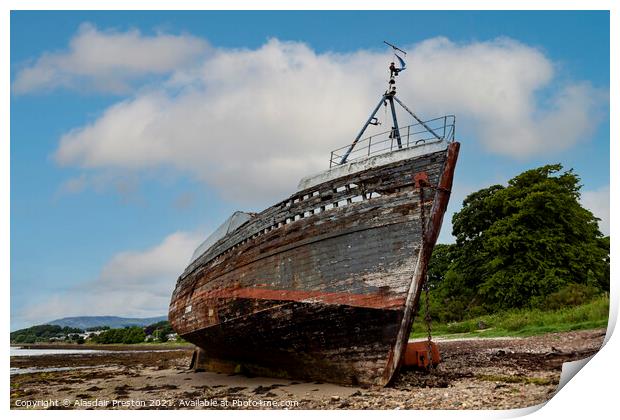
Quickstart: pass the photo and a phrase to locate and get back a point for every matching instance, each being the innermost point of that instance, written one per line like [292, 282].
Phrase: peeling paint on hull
[323, 285]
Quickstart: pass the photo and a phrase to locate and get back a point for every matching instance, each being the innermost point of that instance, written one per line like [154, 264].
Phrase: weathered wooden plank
[389, 178]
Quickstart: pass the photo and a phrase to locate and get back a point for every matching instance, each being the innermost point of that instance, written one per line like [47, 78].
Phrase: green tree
[449, 297]
[517, 244]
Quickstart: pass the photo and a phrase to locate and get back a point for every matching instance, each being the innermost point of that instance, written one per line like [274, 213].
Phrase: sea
[18, 351]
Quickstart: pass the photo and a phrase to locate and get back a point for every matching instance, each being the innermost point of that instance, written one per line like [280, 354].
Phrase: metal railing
[410, 136]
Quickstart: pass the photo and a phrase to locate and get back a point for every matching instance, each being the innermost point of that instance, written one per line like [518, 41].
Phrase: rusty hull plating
[323, 285]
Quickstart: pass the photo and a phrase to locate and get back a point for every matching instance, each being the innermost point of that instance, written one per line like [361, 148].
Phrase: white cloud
[108, 60]
[132, 283]
[252, 122]
[497, 88]
[597, 201]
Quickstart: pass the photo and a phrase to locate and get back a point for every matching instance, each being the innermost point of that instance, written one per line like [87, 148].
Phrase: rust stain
[371, 300]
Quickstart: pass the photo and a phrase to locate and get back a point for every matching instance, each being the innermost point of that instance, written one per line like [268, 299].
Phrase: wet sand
[474, 374]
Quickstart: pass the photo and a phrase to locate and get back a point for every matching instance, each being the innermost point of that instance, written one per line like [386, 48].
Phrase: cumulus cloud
[251, 122]
[132, 283]
[108, 60]
[597, 201]
[501, 89]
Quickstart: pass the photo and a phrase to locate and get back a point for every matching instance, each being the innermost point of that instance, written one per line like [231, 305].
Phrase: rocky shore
[475, 374]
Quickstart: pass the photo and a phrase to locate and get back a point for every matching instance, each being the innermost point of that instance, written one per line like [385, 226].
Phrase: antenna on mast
[394, 71]
[389, 97]
[395, 47]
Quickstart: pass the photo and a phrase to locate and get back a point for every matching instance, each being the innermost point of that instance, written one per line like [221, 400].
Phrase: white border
[593, 394]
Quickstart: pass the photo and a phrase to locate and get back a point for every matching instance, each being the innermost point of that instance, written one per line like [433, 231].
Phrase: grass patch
[170, 343]
[524, 322]
[515, 379]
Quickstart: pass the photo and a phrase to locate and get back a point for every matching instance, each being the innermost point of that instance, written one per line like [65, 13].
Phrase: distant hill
[83, 322]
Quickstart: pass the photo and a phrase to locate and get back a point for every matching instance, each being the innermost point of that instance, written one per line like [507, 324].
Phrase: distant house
[59, 338]
[172, 337]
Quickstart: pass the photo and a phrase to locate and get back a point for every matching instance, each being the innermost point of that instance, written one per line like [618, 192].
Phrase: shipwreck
[324, 284]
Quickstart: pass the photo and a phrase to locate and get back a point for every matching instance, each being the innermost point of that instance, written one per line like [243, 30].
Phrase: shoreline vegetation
[522, 322]
[160, 333]
[528, 259]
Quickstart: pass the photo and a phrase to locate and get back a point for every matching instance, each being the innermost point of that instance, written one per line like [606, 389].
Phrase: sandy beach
[474, 374]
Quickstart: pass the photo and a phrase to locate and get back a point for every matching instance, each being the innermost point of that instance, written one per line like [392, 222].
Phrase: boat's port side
[370, 184]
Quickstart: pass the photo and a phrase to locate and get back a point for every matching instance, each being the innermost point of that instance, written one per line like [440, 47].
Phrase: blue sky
[133, 134]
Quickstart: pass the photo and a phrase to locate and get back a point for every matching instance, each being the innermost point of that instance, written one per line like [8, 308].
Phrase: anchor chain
[428, 321]
[425, 285]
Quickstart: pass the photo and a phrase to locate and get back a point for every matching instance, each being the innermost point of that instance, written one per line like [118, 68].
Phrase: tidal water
[17, 371]
[21, 352]
[18, 351]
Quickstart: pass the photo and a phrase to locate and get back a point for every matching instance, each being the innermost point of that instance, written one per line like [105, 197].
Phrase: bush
[572, 294]
[127, 335]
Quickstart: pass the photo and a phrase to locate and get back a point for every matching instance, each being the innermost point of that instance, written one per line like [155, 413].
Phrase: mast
[389, 97]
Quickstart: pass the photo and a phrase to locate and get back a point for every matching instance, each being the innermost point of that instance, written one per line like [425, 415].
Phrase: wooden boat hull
[308, 291]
